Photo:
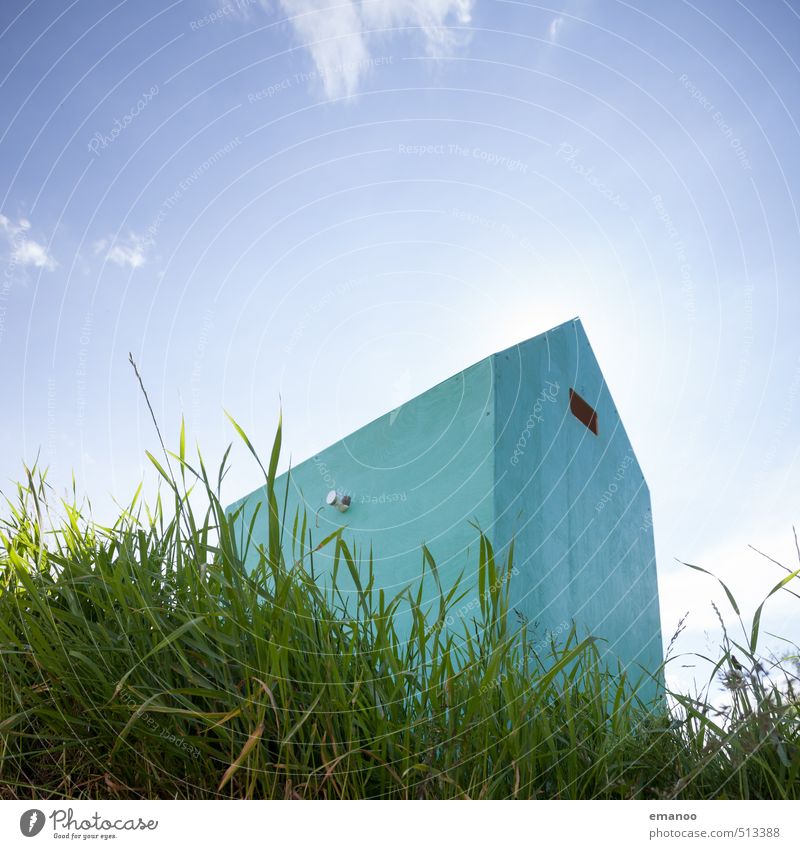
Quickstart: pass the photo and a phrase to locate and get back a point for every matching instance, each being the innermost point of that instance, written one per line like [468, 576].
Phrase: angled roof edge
[541, 335]
[450, 377]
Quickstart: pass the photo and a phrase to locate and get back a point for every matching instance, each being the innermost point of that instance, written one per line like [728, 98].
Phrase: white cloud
[24, 250]
[335, 40]
[124, 252]
[32, 253]
[434, 17]
[338, 34]
[555, 28]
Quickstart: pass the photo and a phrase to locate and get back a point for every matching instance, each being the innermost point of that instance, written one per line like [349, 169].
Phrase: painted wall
[497, 445]
[417, 475]
[576, 503]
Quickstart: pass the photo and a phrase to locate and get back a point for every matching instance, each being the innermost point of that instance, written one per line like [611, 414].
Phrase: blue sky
[339, 204]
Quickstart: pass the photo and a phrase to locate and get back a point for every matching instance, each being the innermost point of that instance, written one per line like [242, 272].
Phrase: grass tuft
[141, 660]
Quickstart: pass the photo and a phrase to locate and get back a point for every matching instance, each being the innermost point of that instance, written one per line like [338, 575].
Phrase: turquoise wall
[576, 503]
[416, 475]
[497, 445]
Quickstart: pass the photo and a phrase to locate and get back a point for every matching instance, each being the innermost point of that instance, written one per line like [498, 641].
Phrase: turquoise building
[528, 445]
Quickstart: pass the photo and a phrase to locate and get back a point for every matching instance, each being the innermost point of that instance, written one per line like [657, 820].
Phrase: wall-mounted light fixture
[340, 502]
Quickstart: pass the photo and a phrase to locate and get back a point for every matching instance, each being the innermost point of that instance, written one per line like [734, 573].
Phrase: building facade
[526, 444]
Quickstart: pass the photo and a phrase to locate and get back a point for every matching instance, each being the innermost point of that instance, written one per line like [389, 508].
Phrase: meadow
[141, 660]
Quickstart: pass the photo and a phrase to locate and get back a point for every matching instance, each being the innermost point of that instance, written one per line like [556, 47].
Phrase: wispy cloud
[130, 251]
[339, 34]
[554, 28]
[25, 251]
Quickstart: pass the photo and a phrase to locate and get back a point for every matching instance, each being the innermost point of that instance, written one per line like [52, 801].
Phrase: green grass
[140, 660]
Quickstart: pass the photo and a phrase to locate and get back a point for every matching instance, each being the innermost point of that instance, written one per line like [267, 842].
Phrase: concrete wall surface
[498, 445]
